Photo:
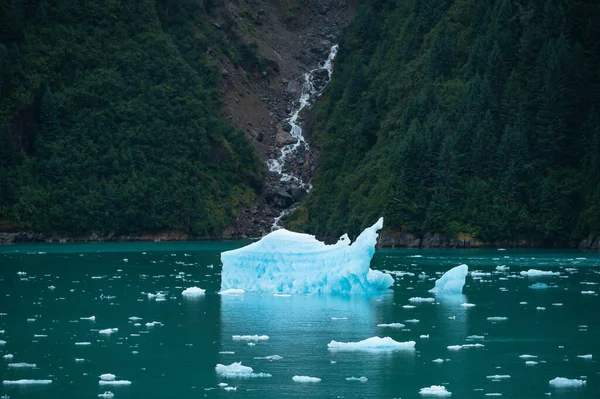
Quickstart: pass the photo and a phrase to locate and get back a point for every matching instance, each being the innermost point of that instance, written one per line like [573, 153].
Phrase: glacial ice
[106, 395]
[287, 262]
[236, 370]
[27, 382]
[391, 325]
[361, 379]
[254, 337]
[305, 378]
[114, 382]
[108, 377]
[561, 382]
[193, 292]
[373, 344]
[452, 282]
[538, 273]
[435, 390]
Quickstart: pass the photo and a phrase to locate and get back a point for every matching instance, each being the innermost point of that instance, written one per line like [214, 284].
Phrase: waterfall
[308, 93]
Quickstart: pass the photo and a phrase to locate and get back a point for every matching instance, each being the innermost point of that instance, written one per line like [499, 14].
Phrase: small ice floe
[27, 382]
[392, 325]
[587, 357]
[222, 384]
[435, 390]
[254, 337]
[528, 357]
[424, 336]
[477, 273]
[474, 337]
[539, 286]
[31, 320]
[561, 382]
[108, 377]
[339, 318]
[153, 324]
[305, 378]
[498, 377]
[232, 291]
[359, 379]
[588, 292]
[451, 282]
[8, 356]
[236, 370]
[22, 365]
[557, 304]
[114, 382]
[82, 343]
[531, 363]
[108, 331]
[497, 318]
[438, 360]
[21, 273]
[464, 346]
[502, 268]
[106, 395]
[51, 287]
[493, 394]
[40, 336]
[135, 318]
[540, 308]
[251, 344]
[538, 273]
[373, 344]
[230, 389]
[418, 299]
[91, 318]
[414, 256]
[192, 292]
[408, 306]
[227, 353]
[79, 360]
[411, 321]
[467, 305]
[270, 358]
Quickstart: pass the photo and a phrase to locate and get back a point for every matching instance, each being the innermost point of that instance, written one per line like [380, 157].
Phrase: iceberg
[236, 370]
[373, 344]
[192, 292]
[305, 378]
[285, 262]
[538, 273]
[435, 390]
[561, 382]
[452, 282]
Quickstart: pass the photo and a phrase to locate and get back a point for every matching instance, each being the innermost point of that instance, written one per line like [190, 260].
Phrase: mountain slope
[464, 118]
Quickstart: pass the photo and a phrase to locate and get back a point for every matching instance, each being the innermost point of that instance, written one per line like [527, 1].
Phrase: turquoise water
[177, 359]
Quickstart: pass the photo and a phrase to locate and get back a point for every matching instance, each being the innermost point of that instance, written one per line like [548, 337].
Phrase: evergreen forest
[464, 118]
[110, 119]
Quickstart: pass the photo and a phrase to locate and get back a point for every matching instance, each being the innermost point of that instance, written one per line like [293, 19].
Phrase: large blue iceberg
[288, 262]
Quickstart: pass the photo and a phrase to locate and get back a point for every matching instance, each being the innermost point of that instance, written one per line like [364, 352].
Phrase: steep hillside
[130, 117]
[470, 119]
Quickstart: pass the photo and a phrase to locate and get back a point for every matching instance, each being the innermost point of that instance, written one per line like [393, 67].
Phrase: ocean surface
[49, 292]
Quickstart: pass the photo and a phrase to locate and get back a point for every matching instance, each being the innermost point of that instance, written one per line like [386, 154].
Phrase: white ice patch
[435, 390]
[561, 382]
[270, 358]
[288, 262]
[464, 346]
[108, 331]
[27, 382]
[373, 344]
[497, 318]
[530, 363]
[232, 291]
[91, 318]
[114, 383]
[587, 357]
[22, 365]
[82, 343]
[108, 377]
[467, 305]
[528, 356]
[106, 395]
[538, 273]
[438, 360]
[539, 286]
[193, 292]
[305, 378]
[451, 282]
[360, 379]
[421, 300]
[236, 370]
[254, 337]
[8, 356]
[498, 377]
[392, 325]
[588, 292]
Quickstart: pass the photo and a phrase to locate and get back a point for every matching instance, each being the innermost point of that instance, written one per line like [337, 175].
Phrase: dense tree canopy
[109, 119]
[473, 117]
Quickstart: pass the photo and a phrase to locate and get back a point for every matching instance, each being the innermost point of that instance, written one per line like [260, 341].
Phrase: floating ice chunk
[227, 353]
[108, 331]
[538, 273]
[2, 342]
[561, 382]
[51, 287]
[135, 318]
[82, 343]
[498, 377]
[236, 370]
[497, 318]
[232, 291]
[424, 336]
[305, 378]
[528, 356]
[114, 383]
[588, 292]
[79, 360]
[271, 358]
[223, 384]
[539, 286]
[452, 282]
[587, 357]
[414, 256]
[193, 292]
[153, 323]
[108, 377]
[408, 306]
[230, 388]
[475, 337]
[438, 360]
[22, 365]
[91, 318]
[27, 382]
[530, 363]
[502, 268]
[251, 344]
[392, 325]
[254, 337]
[411, 321]
[106, 395]
[435, 390]
[467, 305]
[493, 394]
[373, 344]
[464, 346]
[360, 379]
[480, 274]
[420, 300]
[288, 262]
[8, 356]
[339, 318]
[540, 308]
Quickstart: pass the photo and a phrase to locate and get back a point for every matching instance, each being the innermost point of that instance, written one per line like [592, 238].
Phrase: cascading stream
[308, 93]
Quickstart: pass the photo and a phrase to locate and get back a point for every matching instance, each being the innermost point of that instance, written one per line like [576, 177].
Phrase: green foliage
[126, 132]
[472, 117]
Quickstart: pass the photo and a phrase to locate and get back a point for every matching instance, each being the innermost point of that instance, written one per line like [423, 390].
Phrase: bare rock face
[283, 138]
